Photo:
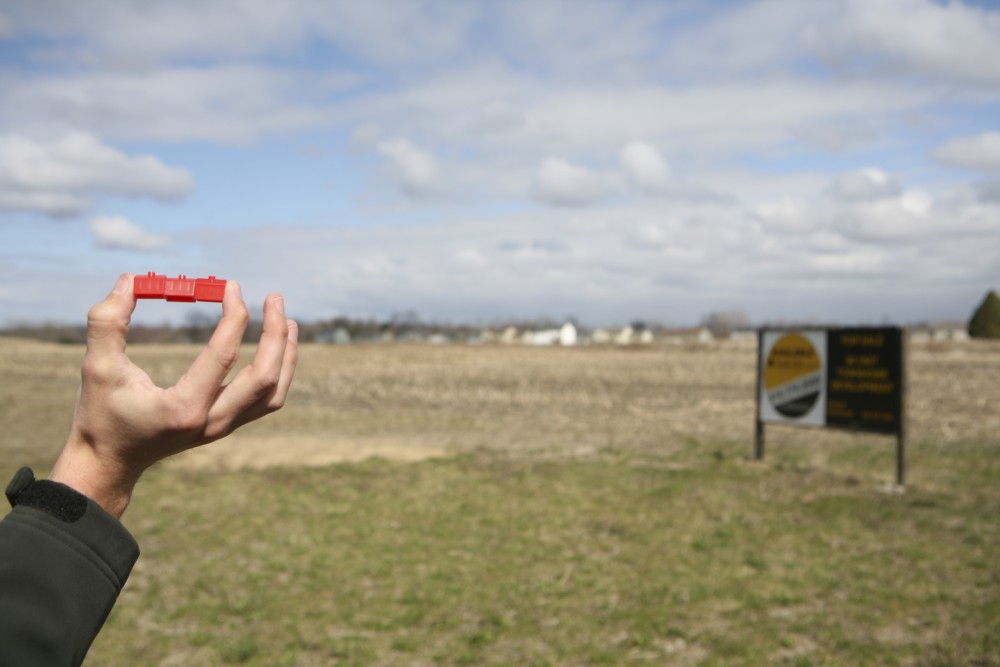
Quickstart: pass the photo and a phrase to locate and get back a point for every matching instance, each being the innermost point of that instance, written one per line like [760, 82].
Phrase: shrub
[985, 322]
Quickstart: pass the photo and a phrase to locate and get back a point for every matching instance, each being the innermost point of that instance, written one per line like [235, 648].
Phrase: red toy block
[184, 289]
[149, 286]
[180, 288]
[209, 289]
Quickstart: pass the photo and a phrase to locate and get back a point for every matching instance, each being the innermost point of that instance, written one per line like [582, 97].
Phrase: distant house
[625, 336]
[699, 335]
[509, 336]
[630, 335]
[565, 335]
[335, 336]
[938, 333]
[545, 337]
[600, 336]
[955, 334]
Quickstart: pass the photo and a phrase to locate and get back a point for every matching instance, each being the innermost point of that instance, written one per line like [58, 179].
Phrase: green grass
[598, 509]
[697, 558]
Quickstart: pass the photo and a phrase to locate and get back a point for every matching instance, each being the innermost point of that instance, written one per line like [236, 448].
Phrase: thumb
[107, 322]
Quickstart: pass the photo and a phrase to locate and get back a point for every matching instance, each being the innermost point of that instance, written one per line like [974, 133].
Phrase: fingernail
[122, 285]
[293, 331]
[279, 303]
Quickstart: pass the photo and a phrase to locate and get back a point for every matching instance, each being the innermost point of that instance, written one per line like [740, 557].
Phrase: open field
[549, 507]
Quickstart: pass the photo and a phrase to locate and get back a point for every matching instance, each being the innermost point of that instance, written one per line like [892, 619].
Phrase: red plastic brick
[184, 289]
[149, 286]
[209, 289]
[180, 288]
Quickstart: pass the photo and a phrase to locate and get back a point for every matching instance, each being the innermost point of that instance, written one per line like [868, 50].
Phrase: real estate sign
[836, 378]
[793, 377]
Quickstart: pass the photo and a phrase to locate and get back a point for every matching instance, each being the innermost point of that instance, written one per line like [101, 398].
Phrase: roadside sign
[849, 378]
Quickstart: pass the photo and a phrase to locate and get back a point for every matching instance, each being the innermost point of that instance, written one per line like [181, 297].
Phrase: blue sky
[479, 161]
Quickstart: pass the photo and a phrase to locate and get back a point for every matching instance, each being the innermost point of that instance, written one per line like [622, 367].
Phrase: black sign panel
[864, 379]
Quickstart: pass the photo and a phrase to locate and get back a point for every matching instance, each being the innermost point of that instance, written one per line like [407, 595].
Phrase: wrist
[107, 485]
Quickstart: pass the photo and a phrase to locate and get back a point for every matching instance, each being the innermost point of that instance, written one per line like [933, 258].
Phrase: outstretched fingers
[274, 399]
[262, 386]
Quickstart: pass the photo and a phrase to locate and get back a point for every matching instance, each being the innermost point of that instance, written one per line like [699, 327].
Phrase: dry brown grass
[410, 402]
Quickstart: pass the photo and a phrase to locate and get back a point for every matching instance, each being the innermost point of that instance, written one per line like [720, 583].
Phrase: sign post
[852, 379]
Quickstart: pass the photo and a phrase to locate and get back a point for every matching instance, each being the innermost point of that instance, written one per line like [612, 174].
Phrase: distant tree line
[405, 325]
[198, 328]
[76, 334]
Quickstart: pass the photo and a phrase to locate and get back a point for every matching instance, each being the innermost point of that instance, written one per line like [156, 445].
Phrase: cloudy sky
[475, 161]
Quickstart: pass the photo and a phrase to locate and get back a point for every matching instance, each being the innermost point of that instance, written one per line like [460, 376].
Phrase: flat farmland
[424, 505]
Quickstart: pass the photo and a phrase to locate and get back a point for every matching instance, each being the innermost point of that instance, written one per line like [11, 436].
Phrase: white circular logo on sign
[793, 378]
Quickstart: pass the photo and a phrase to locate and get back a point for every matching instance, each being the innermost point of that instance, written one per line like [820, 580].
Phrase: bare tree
[722, 323]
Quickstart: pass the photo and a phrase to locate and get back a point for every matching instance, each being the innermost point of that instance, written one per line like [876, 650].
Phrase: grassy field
[513, 506]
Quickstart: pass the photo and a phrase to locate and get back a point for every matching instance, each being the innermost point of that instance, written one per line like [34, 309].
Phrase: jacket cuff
[76, 521]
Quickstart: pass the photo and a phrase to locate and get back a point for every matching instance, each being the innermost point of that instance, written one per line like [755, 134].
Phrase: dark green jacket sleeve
[60, 574]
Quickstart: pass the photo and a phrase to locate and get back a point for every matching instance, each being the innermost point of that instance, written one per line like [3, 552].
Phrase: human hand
[124, 423]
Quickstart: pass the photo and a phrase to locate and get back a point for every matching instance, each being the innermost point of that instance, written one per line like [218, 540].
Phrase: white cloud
[468, 96]
[564, 184]
[496, 120]
[400, 34]
[786, 216]
[6, 28]
[979, 152]
[47, 202]
[916, 202]
[647, 169]
[235, 104]
[580, 38]
[569, 117]
[728, 44]
[906, 218]
[988, 191]
[664, 259]
[119, 233]
[953, 41]
[491, 103]
[470, 258]
[651, 235]
[59, 177]
[416, 170]
[126, 34]
[144, 33]
[365, 137]
[864, 184]
[594, 38]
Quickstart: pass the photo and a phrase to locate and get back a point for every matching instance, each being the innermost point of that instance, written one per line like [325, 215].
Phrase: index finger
[213, 364]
